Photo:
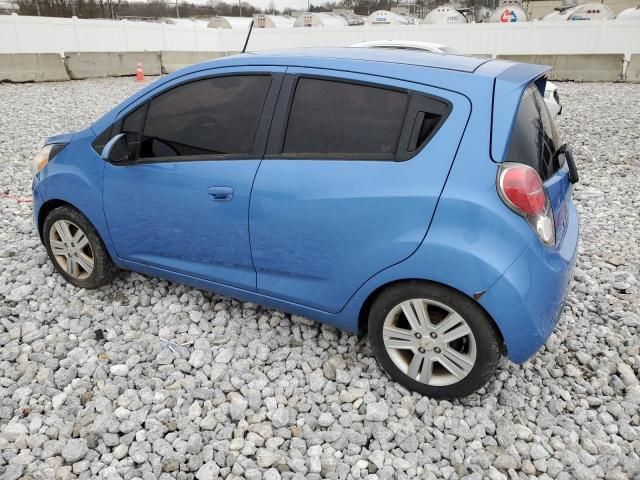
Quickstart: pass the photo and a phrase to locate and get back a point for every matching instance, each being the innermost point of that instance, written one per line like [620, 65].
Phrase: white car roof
[427, 46]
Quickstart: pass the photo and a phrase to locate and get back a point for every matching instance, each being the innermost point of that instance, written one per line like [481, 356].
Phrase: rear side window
[534, 138]
[215, 116]
[338, 119]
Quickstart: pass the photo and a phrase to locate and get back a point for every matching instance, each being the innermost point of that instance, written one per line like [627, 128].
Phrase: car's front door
[350, 180]
[181, 201]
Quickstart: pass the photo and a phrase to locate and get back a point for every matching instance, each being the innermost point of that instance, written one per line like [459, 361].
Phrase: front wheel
[433, 339]
[75, 248]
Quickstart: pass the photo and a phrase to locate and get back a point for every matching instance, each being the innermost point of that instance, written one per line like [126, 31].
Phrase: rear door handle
[220, 194]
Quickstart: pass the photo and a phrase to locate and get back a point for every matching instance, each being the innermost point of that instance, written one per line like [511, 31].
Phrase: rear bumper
[526, 302]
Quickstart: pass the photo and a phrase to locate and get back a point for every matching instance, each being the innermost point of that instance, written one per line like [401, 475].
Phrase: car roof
[458, 63]
[426, 46]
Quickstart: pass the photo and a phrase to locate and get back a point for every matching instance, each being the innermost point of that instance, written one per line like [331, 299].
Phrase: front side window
[338, 119]
[214, 116]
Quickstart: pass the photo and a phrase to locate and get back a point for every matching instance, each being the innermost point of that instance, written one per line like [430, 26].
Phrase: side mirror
[115, 150]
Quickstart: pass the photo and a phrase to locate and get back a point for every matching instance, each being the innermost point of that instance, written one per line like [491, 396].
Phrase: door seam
[255, 175]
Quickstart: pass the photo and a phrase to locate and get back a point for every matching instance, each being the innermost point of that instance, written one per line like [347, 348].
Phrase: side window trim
[280, 117]
[260, 135]
[143, 122]
[275, 144]
[417, 108]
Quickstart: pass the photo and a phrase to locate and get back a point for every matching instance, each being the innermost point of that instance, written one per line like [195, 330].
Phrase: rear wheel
[75, 248]
[433, 340]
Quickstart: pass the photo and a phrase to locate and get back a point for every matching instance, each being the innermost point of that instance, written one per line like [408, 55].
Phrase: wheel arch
[51, 204]
[47, 207]
[363, 314]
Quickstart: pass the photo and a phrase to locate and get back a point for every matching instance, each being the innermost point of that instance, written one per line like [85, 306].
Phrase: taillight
[522, 190]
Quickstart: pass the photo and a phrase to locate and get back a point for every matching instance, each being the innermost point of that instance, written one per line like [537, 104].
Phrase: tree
[152, 9]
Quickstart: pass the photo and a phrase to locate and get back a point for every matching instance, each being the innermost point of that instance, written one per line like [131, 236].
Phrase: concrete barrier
[633, 69]
[579, 68]
[172, 61]
[110, 64]
[32, 67]
[43, 67]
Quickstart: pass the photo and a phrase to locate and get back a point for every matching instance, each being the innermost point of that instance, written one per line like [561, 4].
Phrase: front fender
[74, 176]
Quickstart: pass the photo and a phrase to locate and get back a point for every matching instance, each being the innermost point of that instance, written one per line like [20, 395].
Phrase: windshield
[534, 138]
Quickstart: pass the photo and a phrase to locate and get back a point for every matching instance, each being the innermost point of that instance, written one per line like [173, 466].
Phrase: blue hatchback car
[424, 198]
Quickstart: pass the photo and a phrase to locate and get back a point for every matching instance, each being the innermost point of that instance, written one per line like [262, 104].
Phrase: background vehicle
[551, 94]
[336, 185]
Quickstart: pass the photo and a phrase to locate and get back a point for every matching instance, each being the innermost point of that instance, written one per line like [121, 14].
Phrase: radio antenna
[244, 49]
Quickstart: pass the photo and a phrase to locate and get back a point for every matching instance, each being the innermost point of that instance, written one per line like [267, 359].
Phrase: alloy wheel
[71, 249]
[429, 342]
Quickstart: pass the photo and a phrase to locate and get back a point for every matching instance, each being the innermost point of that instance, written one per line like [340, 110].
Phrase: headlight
[47, 153]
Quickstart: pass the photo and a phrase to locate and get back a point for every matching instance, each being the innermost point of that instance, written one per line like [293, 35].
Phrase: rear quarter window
[534, 137]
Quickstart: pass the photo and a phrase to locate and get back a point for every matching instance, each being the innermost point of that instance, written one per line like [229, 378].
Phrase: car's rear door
[181, 203]
[353, 171]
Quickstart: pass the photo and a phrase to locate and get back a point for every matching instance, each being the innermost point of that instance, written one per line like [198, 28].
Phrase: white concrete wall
[20, 34]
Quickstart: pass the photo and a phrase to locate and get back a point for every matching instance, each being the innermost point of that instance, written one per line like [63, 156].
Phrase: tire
[61, 227]
[411, 359]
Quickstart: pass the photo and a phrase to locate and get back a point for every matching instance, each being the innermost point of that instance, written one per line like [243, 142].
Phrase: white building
[584, 11]
[273, 21]
[592, 11]
[230, 22]
[446, 14]
[630, 14]
[385, 17]
[186, 22]
[509, 11]
[320, 19]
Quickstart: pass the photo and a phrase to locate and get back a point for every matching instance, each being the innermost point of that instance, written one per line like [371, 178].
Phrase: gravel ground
[149, 379]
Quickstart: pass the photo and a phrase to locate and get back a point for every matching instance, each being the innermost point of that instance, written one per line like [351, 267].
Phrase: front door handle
[220, 194]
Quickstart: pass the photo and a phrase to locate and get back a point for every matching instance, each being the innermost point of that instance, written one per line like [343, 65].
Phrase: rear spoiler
[508, 88]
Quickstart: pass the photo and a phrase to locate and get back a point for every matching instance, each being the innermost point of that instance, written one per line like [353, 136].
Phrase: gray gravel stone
[537, 451]
[208, 471]
[74, 450]
[266, 458]
[627, 375]
[119, 370]
[271, 474]
[238, 406]
[377, 411]
[280, 417]
[505, 462]
[13, 430]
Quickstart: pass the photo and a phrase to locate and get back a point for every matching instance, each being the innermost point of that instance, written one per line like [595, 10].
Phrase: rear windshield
[534, 138]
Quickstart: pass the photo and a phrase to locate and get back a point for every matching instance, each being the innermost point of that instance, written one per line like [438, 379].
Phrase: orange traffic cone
[139, 73]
